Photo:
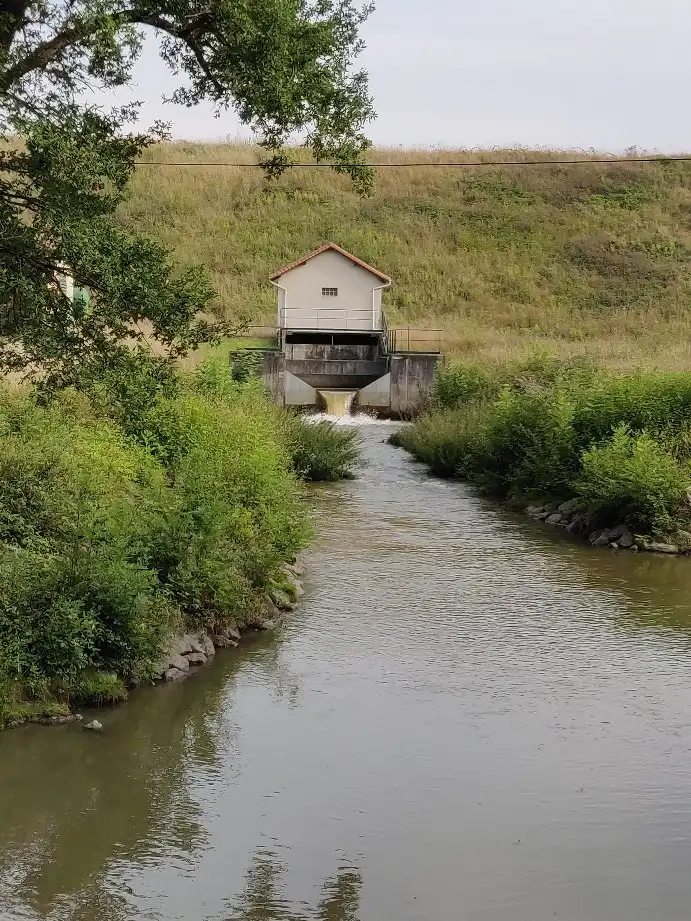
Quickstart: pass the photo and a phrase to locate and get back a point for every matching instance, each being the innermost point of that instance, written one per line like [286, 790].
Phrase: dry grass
[590, 259]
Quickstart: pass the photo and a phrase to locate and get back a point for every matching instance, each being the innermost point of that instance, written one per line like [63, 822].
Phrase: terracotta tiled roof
[323, 249]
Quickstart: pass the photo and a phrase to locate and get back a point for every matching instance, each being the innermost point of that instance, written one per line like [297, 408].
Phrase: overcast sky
[607, 74]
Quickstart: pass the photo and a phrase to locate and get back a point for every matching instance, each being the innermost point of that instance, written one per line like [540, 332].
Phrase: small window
[329, 292]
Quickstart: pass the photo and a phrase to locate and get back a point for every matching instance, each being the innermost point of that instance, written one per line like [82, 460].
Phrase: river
[469, 717]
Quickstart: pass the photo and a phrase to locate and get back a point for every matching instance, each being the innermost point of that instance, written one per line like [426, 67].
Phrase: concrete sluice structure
[390, 383]
[332, 337]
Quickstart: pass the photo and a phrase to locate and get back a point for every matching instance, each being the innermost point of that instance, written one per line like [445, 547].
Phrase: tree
[284, 65]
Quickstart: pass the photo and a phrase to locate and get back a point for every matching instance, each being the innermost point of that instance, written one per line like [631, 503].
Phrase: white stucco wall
[301, 304]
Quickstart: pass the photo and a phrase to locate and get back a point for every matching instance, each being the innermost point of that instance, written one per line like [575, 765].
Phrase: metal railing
[408, 339]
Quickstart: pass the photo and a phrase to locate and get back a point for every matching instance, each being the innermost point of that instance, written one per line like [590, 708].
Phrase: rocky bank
[189, 652]
[572, 517]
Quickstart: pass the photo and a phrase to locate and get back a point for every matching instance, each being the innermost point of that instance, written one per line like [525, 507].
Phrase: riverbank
[126, 524]
[606, 456]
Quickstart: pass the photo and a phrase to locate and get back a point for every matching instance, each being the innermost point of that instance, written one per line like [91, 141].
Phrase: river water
[470, 717]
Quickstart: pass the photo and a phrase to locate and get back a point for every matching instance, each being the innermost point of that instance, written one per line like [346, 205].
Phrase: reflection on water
[263, 898]
[470, 717]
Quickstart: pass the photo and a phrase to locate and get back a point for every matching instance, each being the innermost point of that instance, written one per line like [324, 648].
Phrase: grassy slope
[591, 258]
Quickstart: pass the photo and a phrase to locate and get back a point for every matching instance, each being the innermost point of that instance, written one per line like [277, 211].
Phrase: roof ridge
[325, 247]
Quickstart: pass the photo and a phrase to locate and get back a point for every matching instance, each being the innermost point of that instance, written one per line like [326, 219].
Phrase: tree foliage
[285, 66]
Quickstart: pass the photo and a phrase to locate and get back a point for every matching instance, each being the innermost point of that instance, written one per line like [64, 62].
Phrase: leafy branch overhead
[285, 67]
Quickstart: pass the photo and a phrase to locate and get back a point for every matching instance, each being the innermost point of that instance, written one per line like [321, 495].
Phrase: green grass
[592, 259]
[96, 688]
[324, 452]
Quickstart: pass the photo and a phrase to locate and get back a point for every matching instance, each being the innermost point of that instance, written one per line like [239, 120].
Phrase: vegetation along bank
[144, 521]
[606, 456]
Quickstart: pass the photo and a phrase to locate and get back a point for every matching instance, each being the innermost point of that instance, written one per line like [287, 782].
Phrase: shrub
[238, 513]
[633, 479]
[525, 443]
[324, 452]
[95, 688]
[457, 385]
[443, 440]
[117, 527]
[659, 403]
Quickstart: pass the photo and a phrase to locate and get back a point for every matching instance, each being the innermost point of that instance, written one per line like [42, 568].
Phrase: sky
[571, 74]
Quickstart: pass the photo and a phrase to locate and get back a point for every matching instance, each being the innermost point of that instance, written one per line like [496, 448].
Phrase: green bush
[95, 688]
[239, 513]
[526, 443]
[323, 451]
[623, 442]
[633, 479]
[443, 440]
[659, 403]
[457, 385]
[118, 527]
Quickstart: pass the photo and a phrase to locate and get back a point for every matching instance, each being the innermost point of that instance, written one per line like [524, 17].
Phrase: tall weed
[633, 478]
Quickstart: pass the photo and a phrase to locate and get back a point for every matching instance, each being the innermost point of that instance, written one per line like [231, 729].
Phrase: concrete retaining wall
[412, 381]
[376, 395]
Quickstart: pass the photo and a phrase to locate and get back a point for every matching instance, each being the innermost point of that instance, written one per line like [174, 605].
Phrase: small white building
[330, 289]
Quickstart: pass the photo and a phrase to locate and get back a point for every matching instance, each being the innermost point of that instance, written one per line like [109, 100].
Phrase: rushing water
[469, 718]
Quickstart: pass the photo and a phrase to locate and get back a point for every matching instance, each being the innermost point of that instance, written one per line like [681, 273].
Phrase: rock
[233, 633]
[571, 505]
[281, 599]
[619, 531]
[207, 646]
[654, 547]
[297, 566]
[555, 518]
[183, 647]
[542, 516]
[94, 725]
[196, 658]
[534, 510]
[223, 642]
[179, 662]
[58, 720]
[626, 541]
[199, 644]
[600, 538]
[577, 525]
[271, 610]
[175, 674]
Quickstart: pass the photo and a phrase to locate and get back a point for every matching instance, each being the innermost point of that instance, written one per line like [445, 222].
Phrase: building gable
[333, 248]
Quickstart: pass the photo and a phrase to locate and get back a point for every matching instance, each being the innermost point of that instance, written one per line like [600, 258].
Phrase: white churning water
[339, 410]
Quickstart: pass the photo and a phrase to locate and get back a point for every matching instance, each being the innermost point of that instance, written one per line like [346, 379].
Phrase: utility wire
[470, 165]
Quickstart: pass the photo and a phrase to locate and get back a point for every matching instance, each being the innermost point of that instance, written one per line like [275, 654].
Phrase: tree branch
[11, 19]
[48, 51]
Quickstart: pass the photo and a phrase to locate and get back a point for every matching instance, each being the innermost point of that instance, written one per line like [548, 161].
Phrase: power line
[470, 165]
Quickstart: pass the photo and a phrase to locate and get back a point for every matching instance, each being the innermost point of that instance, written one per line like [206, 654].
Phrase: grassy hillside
[593, 258]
